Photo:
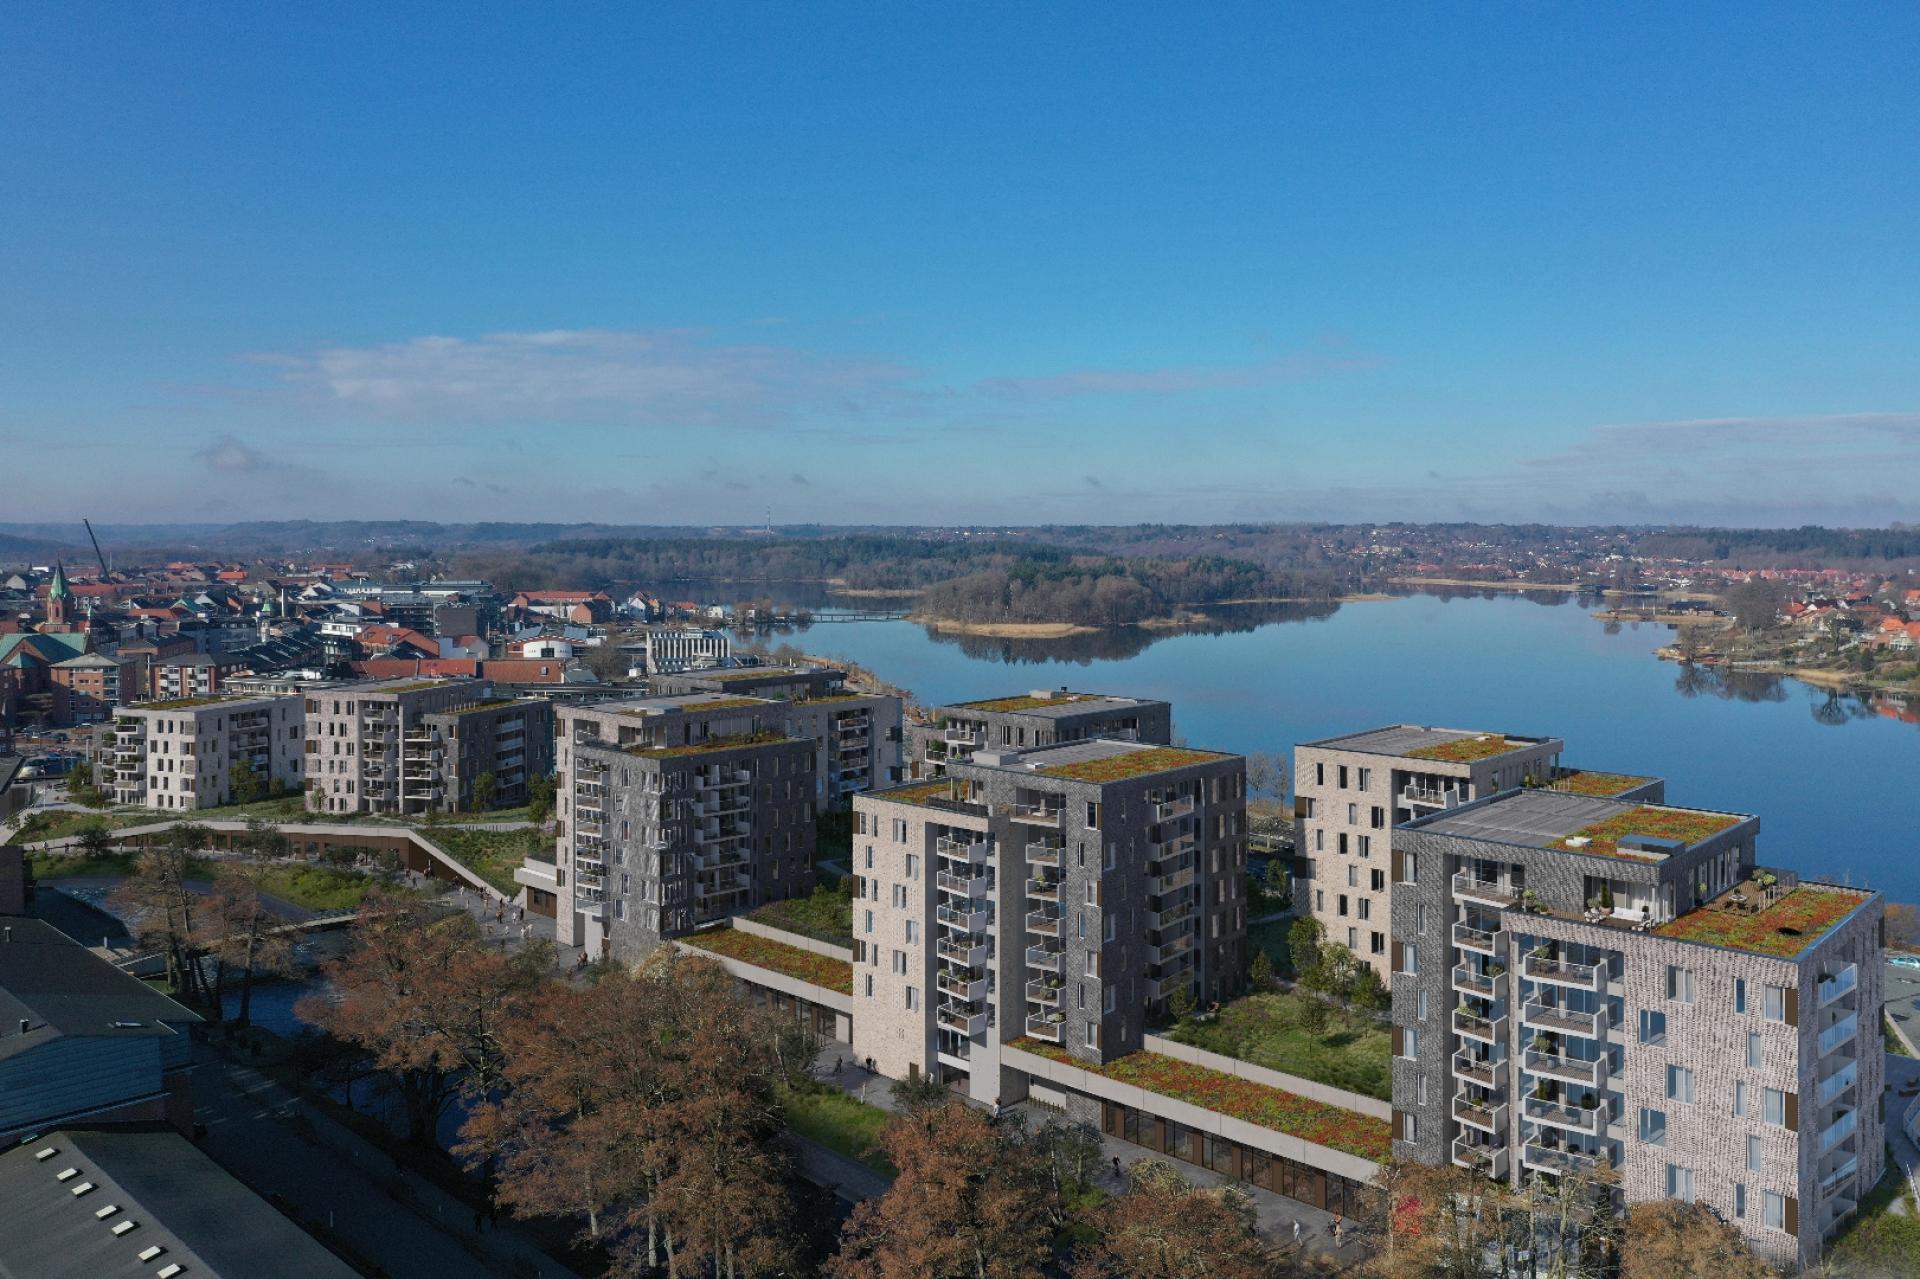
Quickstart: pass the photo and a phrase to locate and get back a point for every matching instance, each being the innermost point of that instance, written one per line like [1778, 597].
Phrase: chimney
[9, 932]
[24, 1023]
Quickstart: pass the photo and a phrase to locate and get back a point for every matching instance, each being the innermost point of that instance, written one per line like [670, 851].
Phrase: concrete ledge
[1311, 1153]
[799, 941]
[755, 975]
[1341, 1097]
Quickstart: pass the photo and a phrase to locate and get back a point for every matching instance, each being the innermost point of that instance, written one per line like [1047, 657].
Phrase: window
[900, 962]
[1412, 1128]
[1740, 1097]
[913, 931]
[1410, 958]
[869, 921]
[1410, 1043]
[1680, 984]
[1093, 1034]
[899, 830]
[1366, 847]
[1679, 1182]
[1377, 880]
[1353, 877]
[1343, 843]
[1653, 1026]
[1420, 1005]
[1343, 904]
[869, 856]
[1320, 900]
[1739, 994]
[1312, 809]
[1753, 1152]
[1773, 1106]
[1773, 1210]
[1319, 778]
[1420, 917]
[1353, 939]
[1107, 1002]
[1739, 1198]
[1319, 841]
[1343, 777]
[1653, 1126]
[1775, 1005]
[1353, 814]
[1379, 818]
[913, 997]
[1379, 944]
[1753, 1049]
[1365, 906]
[1093, 963]
[1365, 779]
[899, 896]
[913, 865]
[869, 985]
[1680, 1084]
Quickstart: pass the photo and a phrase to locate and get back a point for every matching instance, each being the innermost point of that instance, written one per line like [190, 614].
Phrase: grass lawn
[1879, 1241]
[318, 888]
[113, 866]
[60, 823]
[825, 916]
[491, 854]
[838, 1122]
[1265, 1029]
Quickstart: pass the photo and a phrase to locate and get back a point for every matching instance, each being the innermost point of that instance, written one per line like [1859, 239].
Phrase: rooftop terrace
[1047, 704]
[712, 744]
[1417, 741]
[1584, 781]
[1761, 922]
[1100, 760]
[1574, 823]
[920, 794]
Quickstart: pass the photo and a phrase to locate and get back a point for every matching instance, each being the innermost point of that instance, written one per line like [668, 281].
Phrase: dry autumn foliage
[1667, 1238]
[1165, 1227]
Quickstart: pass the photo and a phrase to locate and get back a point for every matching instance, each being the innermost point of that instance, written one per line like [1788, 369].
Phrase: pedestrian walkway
[293, 1153]
[1276, 1216]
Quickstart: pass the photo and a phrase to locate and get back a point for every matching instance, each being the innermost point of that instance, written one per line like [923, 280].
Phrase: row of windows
[1776, 1210]
[1777, 1003]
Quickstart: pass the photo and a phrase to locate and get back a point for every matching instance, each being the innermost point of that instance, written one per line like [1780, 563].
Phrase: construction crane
[96, 548]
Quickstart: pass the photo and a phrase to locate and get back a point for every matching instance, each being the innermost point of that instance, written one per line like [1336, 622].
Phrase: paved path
[282, 1146]
[848, 1178]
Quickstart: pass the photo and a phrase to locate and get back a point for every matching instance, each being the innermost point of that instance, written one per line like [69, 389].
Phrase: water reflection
[1121, 642]
[1698, 680]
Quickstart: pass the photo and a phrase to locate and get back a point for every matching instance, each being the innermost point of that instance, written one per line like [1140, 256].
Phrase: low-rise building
[186, 753]
[413, 746]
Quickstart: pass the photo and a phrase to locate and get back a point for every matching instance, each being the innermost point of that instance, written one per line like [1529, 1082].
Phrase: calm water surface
[1835, 781]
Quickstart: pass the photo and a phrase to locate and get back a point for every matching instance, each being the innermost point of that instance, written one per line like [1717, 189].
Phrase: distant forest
[971, 580]
[1807, 547]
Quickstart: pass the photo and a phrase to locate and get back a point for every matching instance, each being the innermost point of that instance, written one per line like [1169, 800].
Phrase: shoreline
[1005, 630]
[1833, 681]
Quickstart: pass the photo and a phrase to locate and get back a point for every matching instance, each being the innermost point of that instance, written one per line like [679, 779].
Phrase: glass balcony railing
[1841, 1032]
[1845, 982]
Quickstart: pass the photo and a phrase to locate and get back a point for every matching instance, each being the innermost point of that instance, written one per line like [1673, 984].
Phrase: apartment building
[182, 754]
[1029, 721]
[1584, 982]
[674, 812]
[857, 736]
[1064, 893]
[671, 650]
[87, 688]
[1350, 792]
[412, 746]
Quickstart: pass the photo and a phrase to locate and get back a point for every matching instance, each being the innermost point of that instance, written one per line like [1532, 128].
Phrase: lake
[1830, 777]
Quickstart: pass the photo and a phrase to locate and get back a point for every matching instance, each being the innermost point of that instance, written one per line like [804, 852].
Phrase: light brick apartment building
[413, 746]
[674, 812]
[1582, 981]
[1350, 792]
[857, 736]
[182, 754]
[1062, 894]
[1029, 721]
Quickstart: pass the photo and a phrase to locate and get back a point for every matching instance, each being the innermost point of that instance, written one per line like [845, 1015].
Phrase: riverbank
[1829, 679]
[1663, 619]
[1004, 630]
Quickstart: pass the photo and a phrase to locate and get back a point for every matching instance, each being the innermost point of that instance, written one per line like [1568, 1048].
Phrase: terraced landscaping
[1268, 1030]
[491, 854]
[790, 961]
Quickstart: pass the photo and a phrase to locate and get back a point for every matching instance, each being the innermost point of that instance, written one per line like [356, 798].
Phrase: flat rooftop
[736, 674]
[673, 703]
[1745, 920]
[920, 794]
[1418, 741]
[1100, 760]
[60, 988]
[1051, 705]
[1568, 823]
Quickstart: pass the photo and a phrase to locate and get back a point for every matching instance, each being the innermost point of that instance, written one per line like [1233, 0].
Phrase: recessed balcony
[971, 852]
[1488, 892]
[1044, 958]
[1043, 890]
[1559, 972]
[1172, 809]
[1841, 1032]
[1038, 814]
[1041, 992]
[1841, 984]
[1044, 854]
[1837, 1082]
[1043, 923]
[1172, 883]
[1171, 950]
[1046, 1027]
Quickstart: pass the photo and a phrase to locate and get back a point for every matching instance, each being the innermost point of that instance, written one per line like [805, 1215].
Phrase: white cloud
[226, 455]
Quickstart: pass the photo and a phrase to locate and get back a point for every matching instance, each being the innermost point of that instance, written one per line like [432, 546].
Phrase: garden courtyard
[1300, 1034]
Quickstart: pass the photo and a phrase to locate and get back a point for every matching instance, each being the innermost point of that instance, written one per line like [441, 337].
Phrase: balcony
[1590, 1120]
[1433, 796]
[1593, 1074]
[1487, 1160]
[1845, 982]
[1040, 992]
[1489, 892]
[1045, 890]
[1483, 985]
[1044, 854]
[1563, 1021]
[1172, 984]
[1038, 814]
[1833, 1181]
[1839, 1130]
[1166, 952]
[1486, 1116]
[964, 952]
[1166, 850]
[1480, 940]
[1837, 1082]
[961, 985]
[1171, 915]
[1477, 1070]
[971, 852]
[1046, 1027]
[1841, 1032]
[962, 1019]
[1558, 1161]
[1558, 972]
[1472, 1026]
[1044, 958]
[1044, 923]
[962, 885]
[1173, 809]
[969, 738]
[969, 919]
[1172, 883]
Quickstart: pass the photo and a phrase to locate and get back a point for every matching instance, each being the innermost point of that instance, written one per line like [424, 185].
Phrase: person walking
[996, 1110]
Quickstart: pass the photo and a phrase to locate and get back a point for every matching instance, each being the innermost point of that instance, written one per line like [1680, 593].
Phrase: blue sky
[910, 263]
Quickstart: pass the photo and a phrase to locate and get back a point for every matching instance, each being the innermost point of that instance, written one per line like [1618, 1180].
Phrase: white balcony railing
[1486, 1116]
[1554, 1066]
[1489, 1030]
[972, 852]
[1563, 1021]
[1477, 1070]
[1487, 1159]
[1481, 940]
[1559, 972]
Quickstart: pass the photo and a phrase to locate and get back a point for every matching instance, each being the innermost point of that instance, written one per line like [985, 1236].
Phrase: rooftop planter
[1466, 750]
[1023, 703]
[710, 745]
[1580, 781]
[789, 961]
[1782, 930]
[1689, 826]
[1140, 763]
[1225, 1094]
